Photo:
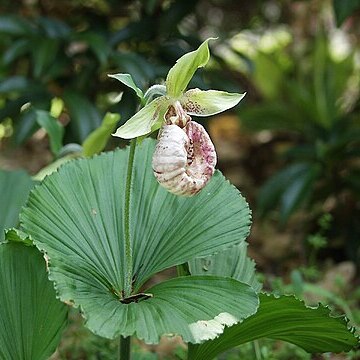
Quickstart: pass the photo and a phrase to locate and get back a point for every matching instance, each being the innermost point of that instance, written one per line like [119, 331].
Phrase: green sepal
[147, 120]
[209, 102]
[181, 73]
[127, 80]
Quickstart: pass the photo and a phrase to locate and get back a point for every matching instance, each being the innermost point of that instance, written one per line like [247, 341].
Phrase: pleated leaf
[14, 190]
[284, 318]
[232, 262]
[171, 307]
[31, 318]
[76, 216]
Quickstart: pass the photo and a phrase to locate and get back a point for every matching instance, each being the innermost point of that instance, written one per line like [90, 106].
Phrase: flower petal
[148, 119]
[181, 73]
[205, 103]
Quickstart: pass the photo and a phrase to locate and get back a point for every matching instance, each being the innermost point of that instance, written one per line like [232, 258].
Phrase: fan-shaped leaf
[178, 306]
[288, 319]
[77, 217]
[31, 318]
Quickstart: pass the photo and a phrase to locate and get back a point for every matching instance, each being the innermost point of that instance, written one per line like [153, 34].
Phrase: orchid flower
[185, 158]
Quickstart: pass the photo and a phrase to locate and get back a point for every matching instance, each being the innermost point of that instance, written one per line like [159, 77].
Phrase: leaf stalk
[125, 348]
[128, 247]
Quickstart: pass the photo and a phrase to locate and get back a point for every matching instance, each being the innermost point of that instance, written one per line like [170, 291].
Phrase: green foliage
[288, 319]
[54, 129]
[14, 188]
[97, 140]
[85, 116]
[344, 8]
[67, 57]
[233, 262]
[77, 217]
[32, 319]
[282, 318]
[314, 108]
[53, 74]
[289, 187]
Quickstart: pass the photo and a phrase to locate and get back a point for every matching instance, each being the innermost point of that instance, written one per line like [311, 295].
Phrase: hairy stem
[128, 248]
[124, 348]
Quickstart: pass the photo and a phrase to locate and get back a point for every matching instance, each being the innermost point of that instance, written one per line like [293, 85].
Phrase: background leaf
[54, 129]
[98, 139]
[344, 8]
[14, 188]
[84, 115]
[15, 25]
[288, 319]
[290, 188]
[31, 318]
[44, 53]
[77, 214]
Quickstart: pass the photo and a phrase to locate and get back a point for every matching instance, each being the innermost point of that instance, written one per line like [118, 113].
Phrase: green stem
[124, 348]
[257, 350]
[128, 248]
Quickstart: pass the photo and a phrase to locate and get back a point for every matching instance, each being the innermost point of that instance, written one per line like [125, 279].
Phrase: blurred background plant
[292, 147]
